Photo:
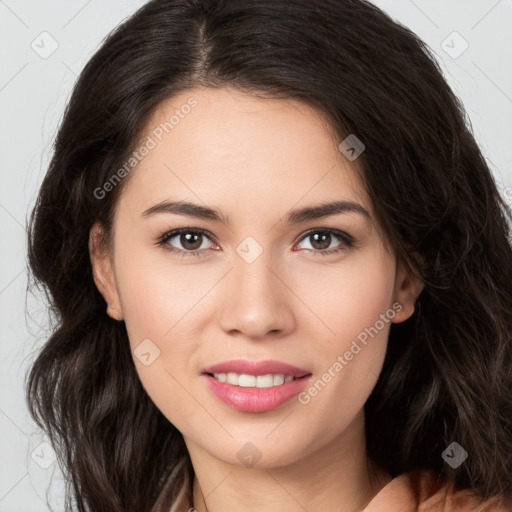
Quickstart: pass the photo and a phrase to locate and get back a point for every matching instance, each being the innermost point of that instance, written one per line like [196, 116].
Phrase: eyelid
[347, 241]
[168, 235]
[336, 232]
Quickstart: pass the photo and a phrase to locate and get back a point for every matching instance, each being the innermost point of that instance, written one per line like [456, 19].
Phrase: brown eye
[185, 242]
[323, 241]
[191, 241]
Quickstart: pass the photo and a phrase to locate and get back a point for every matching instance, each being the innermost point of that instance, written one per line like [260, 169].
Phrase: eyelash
[347, 241]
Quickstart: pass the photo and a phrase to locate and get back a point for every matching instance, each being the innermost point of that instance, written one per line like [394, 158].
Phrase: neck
[338, 477]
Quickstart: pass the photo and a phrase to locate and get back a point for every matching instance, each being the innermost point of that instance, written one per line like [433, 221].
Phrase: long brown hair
[448, 370]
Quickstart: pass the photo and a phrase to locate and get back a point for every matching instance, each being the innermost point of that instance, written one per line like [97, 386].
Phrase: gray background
[34, 86]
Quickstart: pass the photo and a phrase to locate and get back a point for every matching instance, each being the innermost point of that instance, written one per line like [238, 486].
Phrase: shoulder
[423, 491]
[440, 496]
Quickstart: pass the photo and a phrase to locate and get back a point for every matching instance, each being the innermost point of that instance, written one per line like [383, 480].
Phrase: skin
[255, 160]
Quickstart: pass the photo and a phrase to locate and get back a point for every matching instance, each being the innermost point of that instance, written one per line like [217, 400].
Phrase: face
[258, 273]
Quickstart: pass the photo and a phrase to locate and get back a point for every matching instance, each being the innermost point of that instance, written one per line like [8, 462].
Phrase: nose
[258, 302]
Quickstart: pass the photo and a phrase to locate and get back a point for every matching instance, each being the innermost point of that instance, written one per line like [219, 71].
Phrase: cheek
[163, 312]
[355, 305]
[157, 297]
[350, 298]
[162, 349]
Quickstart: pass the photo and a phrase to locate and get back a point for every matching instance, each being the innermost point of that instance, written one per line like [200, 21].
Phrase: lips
[255, 399]
[243, 366]
[290, 381]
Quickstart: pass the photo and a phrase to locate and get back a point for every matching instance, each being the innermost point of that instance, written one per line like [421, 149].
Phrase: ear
[103, 271]
[407, 289]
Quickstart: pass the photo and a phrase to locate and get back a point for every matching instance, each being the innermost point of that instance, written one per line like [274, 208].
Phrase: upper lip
[243, 366]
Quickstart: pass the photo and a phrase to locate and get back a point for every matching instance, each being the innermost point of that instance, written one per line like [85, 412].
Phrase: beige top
[418, 491]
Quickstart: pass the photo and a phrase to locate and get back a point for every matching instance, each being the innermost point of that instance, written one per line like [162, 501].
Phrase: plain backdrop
[44, 46]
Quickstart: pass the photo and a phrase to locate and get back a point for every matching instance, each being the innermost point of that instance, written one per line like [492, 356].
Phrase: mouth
[256, 381]
[241, 372]
[256, 387]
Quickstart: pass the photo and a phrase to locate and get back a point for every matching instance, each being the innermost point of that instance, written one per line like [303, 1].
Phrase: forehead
[226, 147]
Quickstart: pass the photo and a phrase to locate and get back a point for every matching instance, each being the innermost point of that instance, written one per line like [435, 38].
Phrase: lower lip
[255, 399]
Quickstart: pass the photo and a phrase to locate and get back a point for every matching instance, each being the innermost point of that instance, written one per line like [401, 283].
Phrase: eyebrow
[294, 217]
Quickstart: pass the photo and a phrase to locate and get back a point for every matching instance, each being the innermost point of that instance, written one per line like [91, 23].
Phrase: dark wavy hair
[447, 375]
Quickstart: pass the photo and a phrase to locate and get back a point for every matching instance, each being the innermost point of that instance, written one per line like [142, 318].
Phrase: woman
[281, 269]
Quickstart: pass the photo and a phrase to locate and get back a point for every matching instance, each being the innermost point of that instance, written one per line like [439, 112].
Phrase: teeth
[253, 381]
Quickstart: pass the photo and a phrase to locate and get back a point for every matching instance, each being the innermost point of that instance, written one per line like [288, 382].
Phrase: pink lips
[255, 399]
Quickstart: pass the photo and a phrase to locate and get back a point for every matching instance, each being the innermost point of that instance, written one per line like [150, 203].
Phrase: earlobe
[407, 290]
[103, 272]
